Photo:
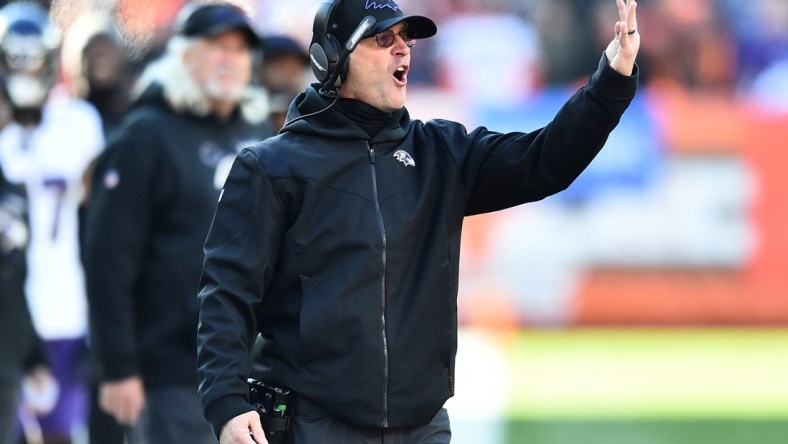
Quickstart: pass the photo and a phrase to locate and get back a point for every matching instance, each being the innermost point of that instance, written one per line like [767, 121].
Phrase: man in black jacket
[153, 196]
[338, 240]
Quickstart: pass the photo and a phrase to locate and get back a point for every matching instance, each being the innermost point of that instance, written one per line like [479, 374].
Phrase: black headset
[326, 54]
[325, 49]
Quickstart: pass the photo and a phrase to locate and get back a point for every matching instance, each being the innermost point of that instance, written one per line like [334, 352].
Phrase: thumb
[256, 430]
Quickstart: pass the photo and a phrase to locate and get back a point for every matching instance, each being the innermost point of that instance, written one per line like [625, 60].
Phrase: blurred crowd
[73, 72]
[731, 47]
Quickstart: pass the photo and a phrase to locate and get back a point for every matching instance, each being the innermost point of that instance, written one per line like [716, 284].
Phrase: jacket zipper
[382, 286]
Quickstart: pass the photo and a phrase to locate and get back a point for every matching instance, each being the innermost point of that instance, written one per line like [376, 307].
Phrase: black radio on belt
[275, 406]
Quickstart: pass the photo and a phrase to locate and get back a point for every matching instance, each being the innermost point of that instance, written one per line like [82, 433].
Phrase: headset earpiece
[325, 51]
[327, 55]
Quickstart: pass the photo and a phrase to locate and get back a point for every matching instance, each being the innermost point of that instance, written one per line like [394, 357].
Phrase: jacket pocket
[321, 336]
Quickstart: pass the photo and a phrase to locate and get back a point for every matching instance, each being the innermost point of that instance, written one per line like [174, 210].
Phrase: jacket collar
[334, 124]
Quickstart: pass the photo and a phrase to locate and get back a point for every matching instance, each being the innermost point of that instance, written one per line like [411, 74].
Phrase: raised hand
[623, 49]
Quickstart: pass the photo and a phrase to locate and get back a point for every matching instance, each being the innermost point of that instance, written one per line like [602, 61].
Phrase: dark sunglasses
[386, 38]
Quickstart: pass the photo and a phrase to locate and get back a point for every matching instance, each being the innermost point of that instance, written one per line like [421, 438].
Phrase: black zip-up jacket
[343, 252]
[152, 200]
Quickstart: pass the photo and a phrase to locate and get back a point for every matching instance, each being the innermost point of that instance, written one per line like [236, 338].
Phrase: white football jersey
[50, 160]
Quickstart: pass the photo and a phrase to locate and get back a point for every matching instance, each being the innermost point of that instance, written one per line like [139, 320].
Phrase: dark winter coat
[154, 192]
[343, 252]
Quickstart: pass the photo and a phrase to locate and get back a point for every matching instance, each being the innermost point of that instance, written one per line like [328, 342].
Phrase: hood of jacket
[168, 82]
[309, 115]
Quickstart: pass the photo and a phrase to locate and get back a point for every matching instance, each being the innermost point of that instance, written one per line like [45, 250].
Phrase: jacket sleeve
[240, 256]
[503, 170]
[118, 218]
[36, 356]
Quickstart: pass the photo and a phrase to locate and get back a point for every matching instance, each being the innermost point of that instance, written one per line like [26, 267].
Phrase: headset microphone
[350, 45]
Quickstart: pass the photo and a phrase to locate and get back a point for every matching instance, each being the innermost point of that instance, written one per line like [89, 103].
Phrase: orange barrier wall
[757, 294]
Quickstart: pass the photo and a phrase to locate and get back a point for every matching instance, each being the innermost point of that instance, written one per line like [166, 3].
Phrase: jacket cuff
[118, 368]
[225, 409]
[36, 357]
[611, 82]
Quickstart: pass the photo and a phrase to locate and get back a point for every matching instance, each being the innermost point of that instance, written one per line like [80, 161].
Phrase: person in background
[283, 73]
[46, 149]
[285, 64]
[97, 67]
[336, 243]
[21, 350]
[153, 197]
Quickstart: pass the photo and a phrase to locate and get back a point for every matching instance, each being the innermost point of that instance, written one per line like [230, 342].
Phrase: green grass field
[670, 386]
[647, 432]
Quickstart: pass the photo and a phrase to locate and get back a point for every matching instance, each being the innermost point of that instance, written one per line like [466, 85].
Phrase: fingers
[631, 19]
[125, 411]
[124, 400]
[243, 429]
[257, 430]
[259, 436]
[117, 409]
[623, 49]
[622, 10]
[627, 14]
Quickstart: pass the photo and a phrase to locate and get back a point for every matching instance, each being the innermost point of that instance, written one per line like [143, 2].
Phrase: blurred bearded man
[154, 194]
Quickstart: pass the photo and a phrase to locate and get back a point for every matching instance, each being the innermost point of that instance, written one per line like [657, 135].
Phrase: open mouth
[401, 74]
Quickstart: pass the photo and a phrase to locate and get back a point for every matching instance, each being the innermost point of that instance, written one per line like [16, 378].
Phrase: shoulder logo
[404, 157]
[111, 179]
[373, 4]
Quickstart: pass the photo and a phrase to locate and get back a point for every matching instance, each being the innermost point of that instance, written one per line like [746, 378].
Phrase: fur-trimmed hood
[181, 92]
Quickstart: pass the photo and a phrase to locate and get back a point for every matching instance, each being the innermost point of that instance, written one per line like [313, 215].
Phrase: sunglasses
[386, 38]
